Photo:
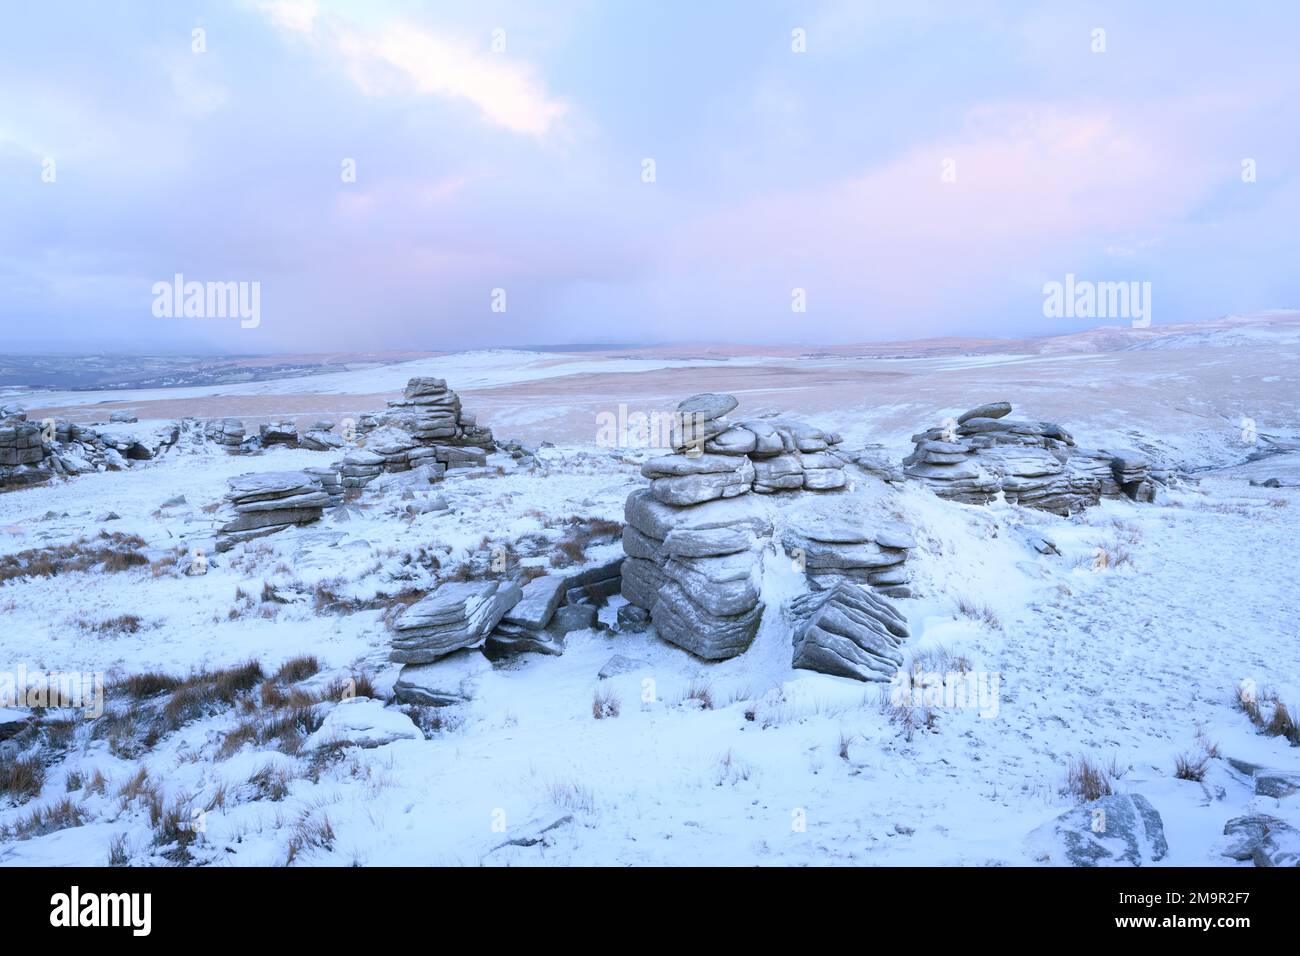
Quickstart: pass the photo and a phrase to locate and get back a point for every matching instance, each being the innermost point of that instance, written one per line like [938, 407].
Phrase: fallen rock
[455, 679]
[1276, 783]
[268, 502]
[458, 614]
[618, 664]
[848, 632]
[363, 723]
[1117, 830]
[1264, 840]
[573, 617]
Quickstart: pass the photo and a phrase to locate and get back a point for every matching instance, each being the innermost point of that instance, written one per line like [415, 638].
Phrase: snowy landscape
[598, 434]
[454, 646]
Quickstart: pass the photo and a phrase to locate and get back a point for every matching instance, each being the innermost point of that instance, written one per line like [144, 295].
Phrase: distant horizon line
[576, 347]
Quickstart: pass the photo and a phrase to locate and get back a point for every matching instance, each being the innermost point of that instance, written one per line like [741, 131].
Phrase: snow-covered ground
[1130, 665]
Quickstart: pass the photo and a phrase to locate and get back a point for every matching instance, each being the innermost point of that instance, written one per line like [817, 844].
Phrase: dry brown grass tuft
[309, 833]
[63, 815]
[115, 626]
[906, 716]
[109, 551]
[1087, 780]
[701, 694]
[22, 779]
[604, 704]
[979, 612]
[1282, 724]
[1189, 767]
[297, 669]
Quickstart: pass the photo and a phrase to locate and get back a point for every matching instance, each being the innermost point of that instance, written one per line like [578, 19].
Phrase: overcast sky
[523, 169]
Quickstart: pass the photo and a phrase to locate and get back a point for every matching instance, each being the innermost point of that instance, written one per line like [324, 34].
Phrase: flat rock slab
[618, 664]
[270, 484]
[656, 519]
[458, 614]
[1276, 783]
[1263, 840]
[453, 680]
[538, 601]
[363, 723]
[991, 410]
[708, 405]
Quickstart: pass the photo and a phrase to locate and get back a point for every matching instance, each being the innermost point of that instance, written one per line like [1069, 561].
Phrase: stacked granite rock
[694, 538]
[359, 468]
[984, 453]
[22, 452]
[426, 428]
[27, 458]
[400, 451]
[265, 503]
[278, 433]
[331, 482]
[458, 614]
[430, 412]
[552, 606]
[321, 437]
[847, 631]
[835, 550]
[226, 432]
[1132, 472]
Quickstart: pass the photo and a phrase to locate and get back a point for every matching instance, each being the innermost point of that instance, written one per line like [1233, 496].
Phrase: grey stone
[641, 581]
[573, 617]
[1276, 783]
[510, 640]
[458, 614]
[633, 618]
[679, 621]
[704, 542]
[537, 603]
[656, 519]
[1116, 830]
[618, 664]
[1264, 840]
[991, 410]
[693, 489]
[847, 632]
[736, 440]
[453, 680]
[708, 405]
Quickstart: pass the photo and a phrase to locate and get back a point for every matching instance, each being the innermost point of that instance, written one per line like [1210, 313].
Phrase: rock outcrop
[696, 536]
[226, 432]
[431, 413]
[848, 631]
[833, 549]
[32, 453]
[426, 428]
[456, 615]
[552, 606]
[265, 503]
[984, 453]
[278, 433]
